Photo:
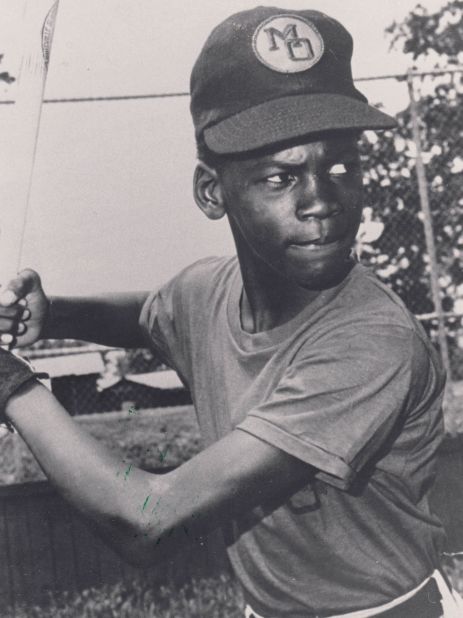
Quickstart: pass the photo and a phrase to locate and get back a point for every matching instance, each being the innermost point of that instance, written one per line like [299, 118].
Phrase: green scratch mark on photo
[162, 454]
[154, 507]
[145, 503]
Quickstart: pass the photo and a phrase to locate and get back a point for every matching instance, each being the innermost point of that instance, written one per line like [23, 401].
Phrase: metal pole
[429, 237]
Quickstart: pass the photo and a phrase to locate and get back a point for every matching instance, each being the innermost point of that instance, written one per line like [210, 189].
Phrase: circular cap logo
[287, 44]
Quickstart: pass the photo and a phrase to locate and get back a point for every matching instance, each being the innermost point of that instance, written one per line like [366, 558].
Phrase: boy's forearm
[106, 490]
[108, 319]
[147, 516]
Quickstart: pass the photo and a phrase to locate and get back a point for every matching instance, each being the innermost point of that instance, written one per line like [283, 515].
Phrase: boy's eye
[279, 180]
[338, 169]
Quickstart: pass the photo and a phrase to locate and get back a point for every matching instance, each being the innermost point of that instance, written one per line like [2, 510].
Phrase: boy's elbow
[138, 536]
[147, 546]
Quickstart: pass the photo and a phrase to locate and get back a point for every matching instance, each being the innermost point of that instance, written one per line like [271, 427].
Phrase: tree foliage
[423, 34]
[400, 255]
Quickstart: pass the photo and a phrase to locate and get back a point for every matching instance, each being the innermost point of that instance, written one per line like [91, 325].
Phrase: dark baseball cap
[269, 75]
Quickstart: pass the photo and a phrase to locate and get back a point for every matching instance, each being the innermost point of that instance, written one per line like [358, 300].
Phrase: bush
[200, 598]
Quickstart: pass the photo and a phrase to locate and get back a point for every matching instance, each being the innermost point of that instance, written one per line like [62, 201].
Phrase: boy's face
[297, 211]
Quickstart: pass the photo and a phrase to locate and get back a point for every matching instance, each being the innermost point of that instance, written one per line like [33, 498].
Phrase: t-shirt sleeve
[170, 314]
[339, 401]
[163, 320]
[155, 322]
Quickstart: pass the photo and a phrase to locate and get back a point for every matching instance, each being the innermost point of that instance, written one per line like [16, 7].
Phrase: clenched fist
[23, 309]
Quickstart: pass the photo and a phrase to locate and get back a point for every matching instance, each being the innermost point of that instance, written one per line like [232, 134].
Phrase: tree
[423, 34]
[399, 256]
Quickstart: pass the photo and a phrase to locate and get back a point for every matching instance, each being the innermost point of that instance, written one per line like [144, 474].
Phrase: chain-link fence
[412, 234]
[90, 378]
[413, 228]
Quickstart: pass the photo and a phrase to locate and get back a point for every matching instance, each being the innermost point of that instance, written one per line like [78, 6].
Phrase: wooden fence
[45, 544]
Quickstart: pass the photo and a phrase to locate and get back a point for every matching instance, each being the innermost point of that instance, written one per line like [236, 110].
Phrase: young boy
[317, 393]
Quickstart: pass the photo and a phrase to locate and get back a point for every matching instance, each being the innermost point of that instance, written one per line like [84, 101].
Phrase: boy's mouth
[318, 236]
[321, 244]
[316, 242]
[314, 239]
[315, 245]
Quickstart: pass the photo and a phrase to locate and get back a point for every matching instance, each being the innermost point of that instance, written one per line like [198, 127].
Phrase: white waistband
[451, 602]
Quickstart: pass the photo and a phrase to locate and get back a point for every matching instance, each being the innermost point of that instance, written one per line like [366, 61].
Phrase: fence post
[430, 245]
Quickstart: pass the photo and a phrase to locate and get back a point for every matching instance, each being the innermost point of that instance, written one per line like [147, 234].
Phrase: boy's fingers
[21, 328]
[13, 312]
[18, 287]
[8, 325]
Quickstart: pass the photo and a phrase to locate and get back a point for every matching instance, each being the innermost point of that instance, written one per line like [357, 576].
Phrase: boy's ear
[208, 191]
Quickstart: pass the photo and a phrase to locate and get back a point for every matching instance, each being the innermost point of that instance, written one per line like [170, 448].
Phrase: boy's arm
[27, 314]
[108, 319]
[145, 516]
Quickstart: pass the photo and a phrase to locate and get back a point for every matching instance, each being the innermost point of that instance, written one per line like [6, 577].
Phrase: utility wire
[166, 95]
[126, 97]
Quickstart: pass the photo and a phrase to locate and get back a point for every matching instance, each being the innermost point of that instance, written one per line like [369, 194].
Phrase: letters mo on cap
[287, 44]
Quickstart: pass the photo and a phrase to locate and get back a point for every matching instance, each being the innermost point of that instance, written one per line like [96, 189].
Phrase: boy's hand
[23, 309]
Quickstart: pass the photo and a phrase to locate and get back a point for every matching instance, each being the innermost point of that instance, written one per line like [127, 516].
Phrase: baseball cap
[268, 75]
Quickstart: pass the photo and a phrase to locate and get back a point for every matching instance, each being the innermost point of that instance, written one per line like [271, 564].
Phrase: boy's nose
[315, 201]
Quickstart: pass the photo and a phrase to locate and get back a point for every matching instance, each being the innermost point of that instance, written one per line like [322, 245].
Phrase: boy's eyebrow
[329, 154]
[259, 165]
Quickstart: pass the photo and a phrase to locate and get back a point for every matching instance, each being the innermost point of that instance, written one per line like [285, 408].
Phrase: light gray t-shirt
[351, 386]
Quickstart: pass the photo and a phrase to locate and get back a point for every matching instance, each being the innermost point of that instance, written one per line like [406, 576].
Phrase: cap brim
[292, 117]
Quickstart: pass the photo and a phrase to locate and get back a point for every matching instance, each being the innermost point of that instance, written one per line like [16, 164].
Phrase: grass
[218, 597]
[150, 439]
[200, 598]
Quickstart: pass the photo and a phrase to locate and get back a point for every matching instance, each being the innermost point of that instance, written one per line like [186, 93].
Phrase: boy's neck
[268, 300]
